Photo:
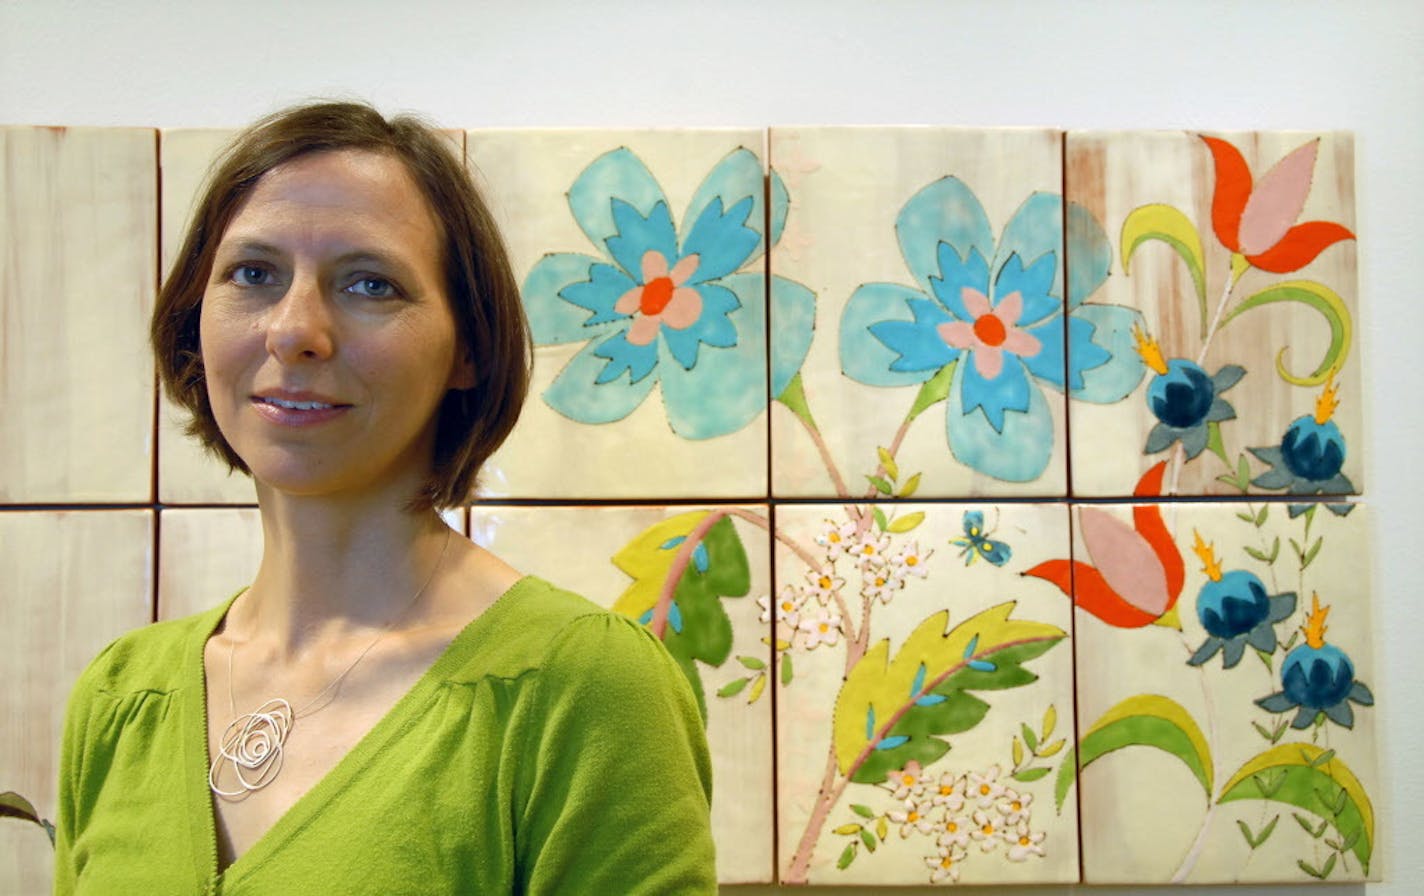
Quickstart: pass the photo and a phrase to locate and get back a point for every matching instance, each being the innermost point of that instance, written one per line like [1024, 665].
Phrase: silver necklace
[251, 745]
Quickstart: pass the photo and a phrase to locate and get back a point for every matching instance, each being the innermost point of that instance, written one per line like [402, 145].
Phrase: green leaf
[1029, 737]
[846, 830]
[1322, 759]
[1052, 748]
[1325, 301]
[752, 663]
[1067, 774]
[847, 856]
[1299, 786]
[1261, 517]
[1029, 774]
[1329, 866]
[910, 486]
[881, 485]
[1259, 555]
[786, 673]
[1148, 720]
[1309, 825]
[794, 398]
[1050, 720]
[1241, 515]
[1270, 667]
[1246, 833]
[868, 839]
[862, 810]
[1017, 752]
[935, 390]
[906, 523]
[880, 521]
[1268, 781]
[1166, 224]
[887, 462]
[12, 805]
[1275, 549]
[1214, 442]
[1243, 471]
[1310, 554]
[1310, 869]
[733, 688]
[880, 692]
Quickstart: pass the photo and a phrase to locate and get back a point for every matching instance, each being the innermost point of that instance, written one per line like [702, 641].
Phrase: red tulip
[1256, 221]
[1139, 572]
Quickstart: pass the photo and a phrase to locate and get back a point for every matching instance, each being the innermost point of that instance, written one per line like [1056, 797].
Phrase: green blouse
[554, 747]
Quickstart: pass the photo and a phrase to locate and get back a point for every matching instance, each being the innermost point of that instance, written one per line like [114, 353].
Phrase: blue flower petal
[917, 342]
[793, 323]
[1032, 285]
[956, 275]
[577, 394]
[946, 211]
[1115, 378]
[1083, 353]
[727, 388]
[605, 285]
[712, 326]
[637, 234]
[780, 206]
[864, 357]
[554, 316]
[1089, 255]
[1035, 230]
[738, 183]
[721, 239]
[1019, 452]
[1009, 391]
[618, 174]
[624, 357]
[1048, 364]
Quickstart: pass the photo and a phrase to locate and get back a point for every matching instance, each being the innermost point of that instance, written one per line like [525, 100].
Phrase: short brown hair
[483, 292]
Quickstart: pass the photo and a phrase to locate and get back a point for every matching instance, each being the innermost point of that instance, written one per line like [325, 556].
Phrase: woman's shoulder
[152, 658]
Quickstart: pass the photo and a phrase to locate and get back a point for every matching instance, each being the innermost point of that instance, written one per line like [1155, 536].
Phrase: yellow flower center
[825, 581]
[1016, 805]
[1024, 841]
[984, 789]
[988, 828]
[945, 789]
[946, 862]
[912, 817]
[824, 628]
[911, 560]
[908, 780]
[952, 827]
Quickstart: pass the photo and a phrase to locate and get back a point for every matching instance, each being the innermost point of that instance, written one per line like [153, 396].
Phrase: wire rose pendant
[252, 747]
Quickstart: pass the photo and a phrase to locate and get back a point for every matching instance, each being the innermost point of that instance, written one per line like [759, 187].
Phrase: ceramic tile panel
[1225, 665]
[712, 564]
[640, 258]
[1233, 256]
[926, 703]
[70, 582]
[917, 312]
[78, 220]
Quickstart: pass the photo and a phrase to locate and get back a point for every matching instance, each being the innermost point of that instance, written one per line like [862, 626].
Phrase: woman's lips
[294, 411]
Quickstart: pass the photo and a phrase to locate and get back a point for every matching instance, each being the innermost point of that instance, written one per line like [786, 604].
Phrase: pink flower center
[990, 330]
[656, 295]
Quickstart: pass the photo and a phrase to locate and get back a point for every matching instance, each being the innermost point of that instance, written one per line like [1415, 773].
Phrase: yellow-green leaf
[1050, 720]
[647, 563]
[911, 485]
[887, 461]
[906, 523]
[846, 830]
[1300, 785]
[1330, 306]
[1018, 753]
[1165, 223]
[758, 686]
[1146, 720]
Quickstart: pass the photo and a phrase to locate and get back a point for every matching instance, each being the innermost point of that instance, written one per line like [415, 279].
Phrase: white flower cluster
[810, 614]
[962, 812]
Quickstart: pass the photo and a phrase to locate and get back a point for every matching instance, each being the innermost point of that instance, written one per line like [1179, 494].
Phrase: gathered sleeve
[614, 775]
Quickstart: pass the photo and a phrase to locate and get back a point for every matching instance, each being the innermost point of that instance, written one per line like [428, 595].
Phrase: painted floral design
[989, 320]
[683, 309]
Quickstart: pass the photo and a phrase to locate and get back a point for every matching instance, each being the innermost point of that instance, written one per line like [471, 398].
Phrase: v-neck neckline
[196, 759]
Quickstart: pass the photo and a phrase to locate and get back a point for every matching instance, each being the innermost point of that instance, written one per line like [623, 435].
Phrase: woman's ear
[462, 374]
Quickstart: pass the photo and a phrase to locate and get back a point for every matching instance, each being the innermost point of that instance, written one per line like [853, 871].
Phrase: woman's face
[327, 338]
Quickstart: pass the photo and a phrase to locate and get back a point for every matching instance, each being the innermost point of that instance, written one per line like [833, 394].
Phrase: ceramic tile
[71, 581]
[1234, 255]
[622, 557]
[917, 288]
[78, 220]
[1246, 707]
[929, 695]
[186, 473]
[640, 259]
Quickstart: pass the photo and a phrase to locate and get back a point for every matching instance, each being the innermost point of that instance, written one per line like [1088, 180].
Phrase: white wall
[1121, 64]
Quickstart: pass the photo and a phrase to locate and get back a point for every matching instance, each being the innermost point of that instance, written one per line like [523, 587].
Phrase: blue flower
[668, 307]
[1309, 457]
[990, 321]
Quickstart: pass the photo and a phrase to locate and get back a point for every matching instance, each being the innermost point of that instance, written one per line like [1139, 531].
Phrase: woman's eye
[373, 287]
[251, 275]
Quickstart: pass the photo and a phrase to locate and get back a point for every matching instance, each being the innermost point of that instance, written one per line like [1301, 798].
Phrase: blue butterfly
[976, 544]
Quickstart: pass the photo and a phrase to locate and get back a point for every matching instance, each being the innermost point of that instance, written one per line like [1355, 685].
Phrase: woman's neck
[332, 570]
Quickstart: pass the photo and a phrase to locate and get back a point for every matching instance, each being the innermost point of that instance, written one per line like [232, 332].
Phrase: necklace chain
[251, 745]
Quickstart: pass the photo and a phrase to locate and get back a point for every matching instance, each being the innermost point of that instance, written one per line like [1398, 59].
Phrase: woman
[387, 708]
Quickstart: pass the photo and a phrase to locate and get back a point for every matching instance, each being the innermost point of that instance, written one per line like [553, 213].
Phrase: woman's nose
[300, 327]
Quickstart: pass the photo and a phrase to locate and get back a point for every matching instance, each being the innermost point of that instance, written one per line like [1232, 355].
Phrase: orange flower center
[983, 789]
[911, 560]
[946, 862]
[1024, 841]
[1017, 806]
[908, 780]
[657, 293]
[912, 817]
[952, 827]
[988, 827]
[990, 330]
[825, 628]
[945, 789]
[787, 606]
[825, 581]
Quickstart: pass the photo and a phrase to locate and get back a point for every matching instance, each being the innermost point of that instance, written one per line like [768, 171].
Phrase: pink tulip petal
[1126, 560]
[1009, 309]
[989, 361]
[685, 267]
[976, 302]
[1022, 343]
[654, 265]
[1277, 200]
[630, 301]
[644, 330]
[684, 309]
[957, 334]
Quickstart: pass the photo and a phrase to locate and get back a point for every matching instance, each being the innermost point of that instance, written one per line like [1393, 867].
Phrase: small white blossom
[984, 787]
[822, 627]
[986, 830]
[836, 538]
[945, 864]
[1023, 842]
[911, 561]
[1014, 806]
[879, 583]
[823, 584]
[906, 782]
[911, 819]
